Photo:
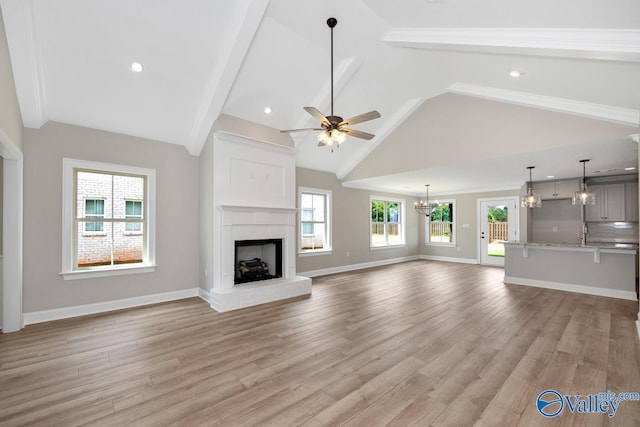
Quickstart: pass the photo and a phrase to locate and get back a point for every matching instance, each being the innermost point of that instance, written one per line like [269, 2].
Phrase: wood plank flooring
[413, 344]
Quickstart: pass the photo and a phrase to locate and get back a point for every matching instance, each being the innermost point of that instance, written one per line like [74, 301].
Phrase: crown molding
[26, 60]
[389, 126]
[625, 116]
[219, 87]
[598, 44]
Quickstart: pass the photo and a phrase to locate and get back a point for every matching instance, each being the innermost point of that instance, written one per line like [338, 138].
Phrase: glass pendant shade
[584, 196]
[531, 199]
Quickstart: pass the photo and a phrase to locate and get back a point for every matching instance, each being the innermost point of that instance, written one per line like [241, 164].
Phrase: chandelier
[424, 207]
[531, 199]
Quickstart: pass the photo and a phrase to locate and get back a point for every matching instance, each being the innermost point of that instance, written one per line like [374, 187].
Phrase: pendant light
[584, 196]
[531, 199]
[424, 207]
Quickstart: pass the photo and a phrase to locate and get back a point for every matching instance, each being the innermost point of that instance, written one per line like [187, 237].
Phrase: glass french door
[498, 223]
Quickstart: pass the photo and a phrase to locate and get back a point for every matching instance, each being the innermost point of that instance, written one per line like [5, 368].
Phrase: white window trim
[403, 225]
[328, 249]
[427, 228]
[68, 211]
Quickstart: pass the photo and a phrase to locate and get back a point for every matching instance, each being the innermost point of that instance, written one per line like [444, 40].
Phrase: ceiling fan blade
[317, 114]
[361, 118]
[358, 134]
[299, 130]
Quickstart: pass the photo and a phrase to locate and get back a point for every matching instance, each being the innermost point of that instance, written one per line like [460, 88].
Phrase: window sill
[115, 271]
[315, 253]
[450, 245]
[375, 248]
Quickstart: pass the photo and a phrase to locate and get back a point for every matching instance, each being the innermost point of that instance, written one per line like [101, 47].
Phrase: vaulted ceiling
[437, 71]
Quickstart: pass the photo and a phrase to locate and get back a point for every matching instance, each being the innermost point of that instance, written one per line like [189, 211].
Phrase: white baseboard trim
[101, 307]
[449, 259]
[638, 327]
[568, 287]
[204, 294]
[352, 267]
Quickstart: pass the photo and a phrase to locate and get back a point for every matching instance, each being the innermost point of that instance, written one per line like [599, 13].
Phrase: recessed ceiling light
[551, 176]
[267, 110]
[136, 67]
[630, 169]
[515, 73]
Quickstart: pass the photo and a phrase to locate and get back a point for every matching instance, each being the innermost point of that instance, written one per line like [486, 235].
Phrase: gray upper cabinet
[631, 201]
[556, 189]
[610, 203]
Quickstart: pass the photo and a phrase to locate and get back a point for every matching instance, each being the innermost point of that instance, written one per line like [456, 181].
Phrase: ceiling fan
[334, 128]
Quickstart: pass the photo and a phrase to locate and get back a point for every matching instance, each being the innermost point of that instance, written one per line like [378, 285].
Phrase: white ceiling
[580, 61]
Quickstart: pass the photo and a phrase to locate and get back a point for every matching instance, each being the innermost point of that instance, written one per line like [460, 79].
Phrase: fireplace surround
[253, 199]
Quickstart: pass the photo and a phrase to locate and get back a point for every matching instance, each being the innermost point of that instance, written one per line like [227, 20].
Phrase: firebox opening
[257, 260]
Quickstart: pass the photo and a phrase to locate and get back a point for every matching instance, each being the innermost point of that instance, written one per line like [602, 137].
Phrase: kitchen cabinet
[631, 201]
[556, 189]
[610, 203]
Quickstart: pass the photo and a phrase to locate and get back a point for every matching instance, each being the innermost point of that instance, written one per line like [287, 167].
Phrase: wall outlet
[554, 229]
[206, 273]
[347, 253]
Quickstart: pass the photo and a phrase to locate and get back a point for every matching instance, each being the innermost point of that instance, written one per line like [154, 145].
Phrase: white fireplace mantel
[254, 197]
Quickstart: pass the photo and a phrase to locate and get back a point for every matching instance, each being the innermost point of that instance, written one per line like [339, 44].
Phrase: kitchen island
[598, 269]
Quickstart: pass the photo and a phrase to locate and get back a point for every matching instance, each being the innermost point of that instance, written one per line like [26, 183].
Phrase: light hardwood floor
[418, 343]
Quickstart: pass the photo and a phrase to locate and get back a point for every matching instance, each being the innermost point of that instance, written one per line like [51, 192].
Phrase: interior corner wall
[350, 216]
[466, 238]
[10, 117]
[176, 216]
[1, 207]
[206, 215]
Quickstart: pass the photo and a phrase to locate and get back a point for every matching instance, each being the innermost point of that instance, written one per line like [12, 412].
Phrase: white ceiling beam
[389, 126]
[219, 87]
[599, 44]
[26, 61]
[625, 116]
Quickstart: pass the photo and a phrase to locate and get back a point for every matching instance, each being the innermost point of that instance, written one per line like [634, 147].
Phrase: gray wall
[350, 225]
[10, 118]
[558, 215]
[1, 206]
[467, 238]
[176, 215]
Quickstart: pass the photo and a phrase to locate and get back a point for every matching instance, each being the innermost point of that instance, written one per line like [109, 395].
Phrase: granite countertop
[601, 245]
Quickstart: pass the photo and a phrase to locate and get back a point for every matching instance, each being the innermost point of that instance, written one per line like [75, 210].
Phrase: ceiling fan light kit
[334, 128]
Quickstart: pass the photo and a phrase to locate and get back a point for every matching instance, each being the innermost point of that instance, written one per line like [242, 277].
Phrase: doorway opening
[498, 223]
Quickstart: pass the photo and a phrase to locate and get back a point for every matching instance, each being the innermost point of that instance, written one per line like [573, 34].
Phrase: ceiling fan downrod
[332, 22]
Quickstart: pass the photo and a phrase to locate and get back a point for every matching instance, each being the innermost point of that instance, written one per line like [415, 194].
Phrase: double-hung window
[440, 226]
[315, 220]
[387, 222]
[108, 219]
